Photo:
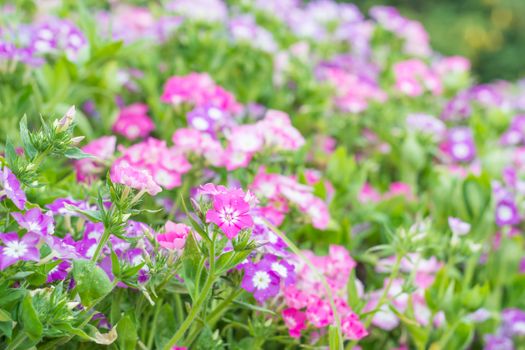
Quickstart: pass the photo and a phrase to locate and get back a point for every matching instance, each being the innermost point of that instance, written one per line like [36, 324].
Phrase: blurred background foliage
[491, 33]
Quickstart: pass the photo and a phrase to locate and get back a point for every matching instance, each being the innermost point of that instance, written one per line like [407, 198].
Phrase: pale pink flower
[123, 173]
[174, 237]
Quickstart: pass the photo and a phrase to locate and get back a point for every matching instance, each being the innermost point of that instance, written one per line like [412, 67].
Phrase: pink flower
[353, 328]
[368, 194]
[231, 213]
[279, 132]
[198, 89]
[103, 149]
[295, 321]
[165, 165]
[133, 122]
[319, 313]
[139, 179]
[175, 236]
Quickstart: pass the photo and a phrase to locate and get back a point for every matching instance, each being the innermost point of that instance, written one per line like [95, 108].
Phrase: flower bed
[256, 174]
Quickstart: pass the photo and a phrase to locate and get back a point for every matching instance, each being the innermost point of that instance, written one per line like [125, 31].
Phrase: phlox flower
[231, 213]
[139, 179]
[133, 122]
[16, 249]
[458, 227]
[12, 189]
[353, 328]
[59, 272]
[507, 213]
[174, 237]
[102, 149]
[295, 320]
[260, 280]
[35, 221]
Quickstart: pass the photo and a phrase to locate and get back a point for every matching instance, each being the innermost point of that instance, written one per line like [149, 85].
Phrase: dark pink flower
[231, 213]
[295, 320]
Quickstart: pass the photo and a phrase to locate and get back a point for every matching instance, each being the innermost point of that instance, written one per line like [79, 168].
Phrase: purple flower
[260, 280]
[507, 213]
[12, 188]
[282, 268]
[59, 272]
[36, 221]
[458, 227]
[513, 322]
[16, 249]
[498, 342]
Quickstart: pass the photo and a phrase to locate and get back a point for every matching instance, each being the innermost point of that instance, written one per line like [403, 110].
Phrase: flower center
[504, 213]
[15, 249]
[33, 226]
[229, 216]
[261, 280]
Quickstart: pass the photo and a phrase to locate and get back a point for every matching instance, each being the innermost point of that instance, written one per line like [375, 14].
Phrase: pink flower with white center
[122, 172]
[16, 249]
[133, 122]
[295, 320]
[175, 236]
[233, 159]
[231, 213]
[246, 138]
[279, 132]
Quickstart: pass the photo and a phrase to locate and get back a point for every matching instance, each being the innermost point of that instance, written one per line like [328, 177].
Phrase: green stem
[154, 326]
[214, 316]
[101, 244]
[196, 308]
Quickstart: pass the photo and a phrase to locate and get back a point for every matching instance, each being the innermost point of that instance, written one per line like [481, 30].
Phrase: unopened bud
[65, 122]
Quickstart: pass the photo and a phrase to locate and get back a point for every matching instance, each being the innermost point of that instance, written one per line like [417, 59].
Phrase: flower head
[135, 178]
[35, 221]
[133, 122]
[295, 320]
[231, 213]
[12, 188]
[260, 280]
[175, 236]
[16, 249]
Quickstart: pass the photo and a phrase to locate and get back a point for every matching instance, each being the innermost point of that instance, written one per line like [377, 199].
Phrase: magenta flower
[59, 272]
[175, 236]
[12, 188]
[295, 320]
[507, 213]
[133, 122]
[231, 213]
[103, 149]
[260, 280]
[352, 327]
[16, 249]
[35, 221]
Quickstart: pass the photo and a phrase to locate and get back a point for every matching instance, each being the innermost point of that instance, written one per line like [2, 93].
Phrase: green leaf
[334, 338]
[92, 215]
[29, 149]
[92, 283]
[191, 259]
[5, 316]
[127, 334]
[230, 259]
[76, 153]
[29, 318]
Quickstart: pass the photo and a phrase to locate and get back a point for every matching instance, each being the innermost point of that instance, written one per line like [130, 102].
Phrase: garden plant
[253, 174]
